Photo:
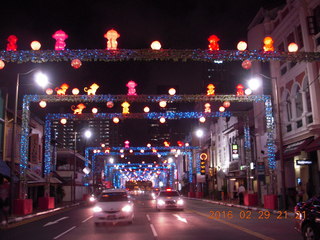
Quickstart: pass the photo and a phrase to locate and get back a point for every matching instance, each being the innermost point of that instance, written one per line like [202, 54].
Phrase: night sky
[176, 24]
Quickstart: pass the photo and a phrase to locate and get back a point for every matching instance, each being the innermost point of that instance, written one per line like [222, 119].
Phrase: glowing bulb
[172, 91]
[148, 145]
[293, 47]
[42, 104]
[155, 45]
[116, 120]
[35, 45]
[63, 121]
[163, 104]
[242, 45]
[162, 120]
[75, 91]
[94, 110]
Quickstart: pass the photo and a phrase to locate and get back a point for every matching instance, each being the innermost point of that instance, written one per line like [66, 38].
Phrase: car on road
[307, 220]
[113, 206]
[154, 193]
[169, 199]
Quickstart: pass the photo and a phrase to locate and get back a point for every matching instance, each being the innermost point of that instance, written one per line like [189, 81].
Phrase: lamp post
[42, 81]
[275, 88]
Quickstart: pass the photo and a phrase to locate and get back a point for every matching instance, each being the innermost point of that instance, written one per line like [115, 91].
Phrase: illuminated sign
[304, 162]
[235, 151]
[203, 157]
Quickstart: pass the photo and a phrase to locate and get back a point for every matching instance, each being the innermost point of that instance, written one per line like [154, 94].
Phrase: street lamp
[275, 88]
[87, 134]
[41, 80]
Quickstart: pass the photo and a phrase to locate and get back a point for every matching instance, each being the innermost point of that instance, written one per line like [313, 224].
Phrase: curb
[275, 212]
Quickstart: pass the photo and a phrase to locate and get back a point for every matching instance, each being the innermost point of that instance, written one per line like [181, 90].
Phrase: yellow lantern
[172, 91]
[63, 121]
[94, 110]
[222, 109]
[146, 109]
[293, 47]
[49, 91]
[75, 91]
[162, 120]
[2, 64]
[163, 104]
[155, 45]
[116, 120]
[202, 119]
[242, 45]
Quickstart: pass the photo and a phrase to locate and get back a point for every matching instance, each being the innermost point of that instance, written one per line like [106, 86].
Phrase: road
[200, 220]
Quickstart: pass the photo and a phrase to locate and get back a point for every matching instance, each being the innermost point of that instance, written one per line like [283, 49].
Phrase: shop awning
[314, 145]
[295, 148]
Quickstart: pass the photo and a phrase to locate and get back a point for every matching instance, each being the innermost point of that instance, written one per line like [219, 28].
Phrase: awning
[315, 145]
[294, 149]
[33, 177]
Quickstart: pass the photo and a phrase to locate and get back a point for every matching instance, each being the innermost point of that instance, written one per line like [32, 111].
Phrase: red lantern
[110, 104]
[246, 64]
[2, 64]
[213, 42]
[76, 63]
[12, 43]
[226, 104]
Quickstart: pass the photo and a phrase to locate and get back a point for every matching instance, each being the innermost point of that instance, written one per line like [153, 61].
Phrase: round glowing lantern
[94, 110]
[63, 121]
[202, 119]
[242, 45]
[35, 45]
[163, 104]
[155, 45]
[162, 120]
[116, 120]
[146, 109]
[148, 145]
[293, 47]
[109, 104]
[2, 64]
[42, 104]
[248, 91]
[75, 91]
[222, 109]
[76, 63]
[49, 91]
[172, 91]
[226, 104]
[246, 64]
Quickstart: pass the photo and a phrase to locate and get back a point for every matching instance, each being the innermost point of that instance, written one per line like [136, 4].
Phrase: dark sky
[177, 24]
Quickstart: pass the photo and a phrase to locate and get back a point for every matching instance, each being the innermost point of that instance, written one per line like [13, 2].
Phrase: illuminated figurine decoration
[78, 109]
[131, 88]
[60, 36]
[210, 90]
[180, 143]
[112, 36]
[213, 42]
[125, 106]
[268, 44]
[126, 144]
[62, 90]
[92, 89]
[207, 108]
[166, 144]
[12, 43]
[240, 91]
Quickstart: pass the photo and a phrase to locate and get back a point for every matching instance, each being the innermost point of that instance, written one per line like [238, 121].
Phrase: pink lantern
[49, 91]
[246, 64]
[126, 144]
[60, 36]
[131, 88]
[110, 104]
[12, 43]
[112, 36]
[2, 64]
[76, 63]
[226, 104]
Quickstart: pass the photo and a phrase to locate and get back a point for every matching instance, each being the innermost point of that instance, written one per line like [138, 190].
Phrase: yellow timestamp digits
[221, 215]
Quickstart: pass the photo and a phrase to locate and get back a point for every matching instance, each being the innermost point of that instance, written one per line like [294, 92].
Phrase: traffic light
[203, 159]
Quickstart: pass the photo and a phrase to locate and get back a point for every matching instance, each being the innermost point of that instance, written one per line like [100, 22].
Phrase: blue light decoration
[247, 142]
[120, 55]
[28, 99]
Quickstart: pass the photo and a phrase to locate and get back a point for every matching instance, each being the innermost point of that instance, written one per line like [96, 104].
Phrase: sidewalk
[36, 213]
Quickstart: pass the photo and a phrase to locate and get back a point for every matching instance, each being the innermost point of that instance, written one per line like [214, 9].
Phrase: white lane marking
[56, 221]
[180, 218]
[148, 217]
[87, 219]
[153, 230]
[64, 232]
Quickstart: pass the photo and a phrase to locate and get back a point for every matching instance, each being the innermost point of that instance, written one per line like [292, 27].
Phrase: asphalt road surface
[199, 220]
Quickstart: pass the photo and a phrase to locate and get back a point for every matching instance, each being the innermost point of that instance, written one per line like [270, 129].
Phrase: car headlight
[97, 209]
[127, 208]
[161, 202]
[180, 202]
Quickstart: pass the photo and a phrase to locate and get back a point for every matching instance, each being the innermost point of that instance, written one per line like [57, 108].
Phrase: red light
[168, 189]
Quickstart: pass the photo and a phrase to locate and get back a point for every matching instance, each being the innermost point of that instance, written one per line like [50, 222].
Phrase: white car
[169, 199]
[113, 206]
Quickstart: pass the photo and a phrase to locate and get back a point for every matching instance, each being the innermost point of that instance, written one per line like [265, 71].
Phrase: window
[307, 91]
[299, 105]
[299, 37]
[288, 108]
